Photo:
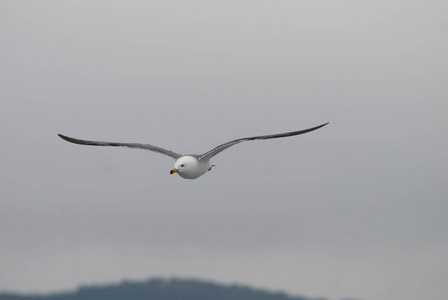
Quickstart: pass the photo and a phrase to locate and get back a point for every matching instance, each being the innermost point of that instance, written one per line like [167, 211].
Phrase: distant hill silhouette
[159, 289]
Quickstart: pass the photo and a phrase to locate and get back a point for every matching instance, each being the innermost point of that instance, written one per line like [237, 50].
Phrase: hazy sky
[356, 209]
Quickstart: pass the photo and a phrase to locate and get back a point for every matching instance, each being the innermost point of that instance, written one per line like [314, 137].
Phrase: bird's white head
[189, 167]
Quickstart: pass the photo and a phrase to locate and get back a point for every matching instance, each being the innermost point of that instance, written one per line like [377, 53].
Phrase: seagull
[190, 166]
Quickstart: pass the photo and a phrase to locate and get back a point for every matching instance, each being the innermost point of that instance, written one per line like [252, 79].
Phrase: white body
[189, 167]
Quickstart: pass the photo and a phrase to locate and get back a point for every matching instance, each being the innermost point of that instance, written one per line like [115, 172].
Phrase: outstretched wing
[129, 145]
[208, 155]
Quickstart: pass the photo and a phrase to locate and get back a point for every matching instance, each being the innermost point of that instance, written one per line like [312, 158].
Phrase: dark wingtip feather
[72, 140]
[64, 137]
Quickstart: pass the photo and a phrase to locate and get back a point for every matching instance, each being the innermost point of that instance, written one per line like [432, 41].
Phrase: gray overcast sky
[355, 209]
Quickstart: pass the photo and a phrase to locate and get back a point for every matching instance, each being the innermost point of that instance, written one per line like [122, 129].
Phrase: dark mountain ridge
[159, 289]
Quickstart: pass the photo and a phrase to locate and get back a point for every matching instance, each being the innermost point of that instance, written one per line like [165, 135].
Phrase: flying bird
[189, 166]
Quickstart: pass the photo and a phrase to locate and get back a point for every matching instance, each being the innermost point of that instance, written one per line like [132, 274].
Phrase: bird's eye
[182, 166]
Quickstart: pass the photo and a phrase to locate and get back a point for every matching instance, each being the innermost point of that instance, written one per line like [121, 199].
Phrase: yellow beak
[174, 170]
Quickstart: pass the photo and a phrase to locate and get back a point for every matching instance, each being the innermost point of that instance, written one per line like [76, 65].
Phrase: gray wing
[208, 155]
[129, 145]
